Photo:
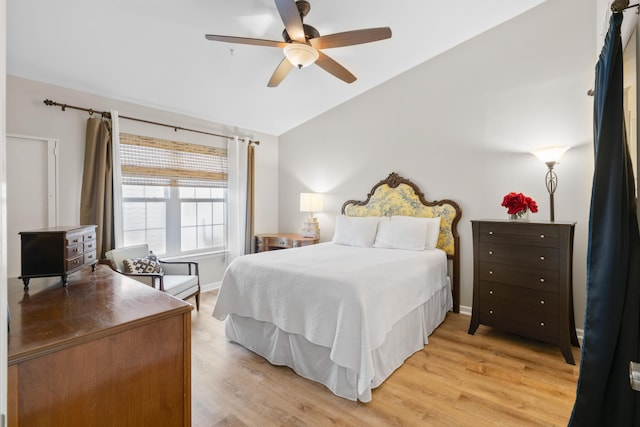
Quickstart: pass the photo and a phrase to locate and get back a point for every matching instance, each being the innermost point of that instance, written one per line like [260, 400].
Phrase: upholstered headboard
[396, 195]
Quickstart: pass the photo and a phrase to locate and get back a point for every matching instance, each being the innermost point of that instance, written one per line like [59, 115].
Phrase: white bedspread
[341, 297]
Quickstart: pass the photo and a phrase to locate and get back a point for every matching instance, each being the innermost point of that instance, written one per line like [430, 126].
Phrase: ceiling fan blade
[334, 68]
[350, 38]
[245, 40]
[291, 19]
[280, 73]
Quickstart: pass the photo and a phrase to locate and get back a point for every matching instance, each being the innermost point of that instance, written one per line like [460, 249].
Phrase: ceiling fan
[302, 43]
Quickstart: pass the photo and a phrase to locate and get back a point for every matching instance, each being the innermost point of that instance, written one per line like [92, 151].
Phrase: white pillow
[433, 228]
[355, 231]
[401, 234]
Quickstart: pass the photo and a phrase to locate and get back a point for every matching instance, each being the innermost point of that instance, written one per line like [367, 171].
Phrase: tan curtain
[249, 246]
[96, 199]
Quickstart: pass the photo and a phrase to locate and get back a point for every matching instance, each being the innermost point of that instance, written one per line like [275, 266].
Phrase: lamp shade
[550, 154]
[300, 55]
[311, 202]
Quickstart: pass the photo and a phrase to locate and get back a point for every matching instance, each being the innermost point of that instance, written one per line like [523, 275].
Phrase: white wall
[462, 126]
[28, 115]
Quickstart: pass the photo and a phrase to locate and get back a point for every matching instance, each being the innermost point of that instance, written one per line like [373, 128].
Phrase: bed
[349, 312]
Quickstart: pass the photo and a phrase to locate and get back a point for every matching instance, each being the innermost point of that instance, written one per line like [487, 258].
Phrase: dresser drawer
[539, 325]
[74, 238]
[274, 242]
[75, 250]
[89, 235]
[527, 277]
[268, 242]
[522, 300]
[531, 256]
[519, 233]
[282, 242]
[89, 245]
[90, 257]
[73, 263]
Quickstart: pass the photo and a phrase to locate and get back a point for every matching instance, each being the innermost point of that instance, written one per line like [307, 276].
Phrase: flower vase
[520, 216]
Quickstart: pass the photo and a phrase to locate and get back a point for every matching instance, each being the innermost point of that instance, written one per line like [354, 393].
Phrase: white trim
[117, 179]
[196, 256]
[210, 287]
[465, 310]
[3, 211]
[53, 168]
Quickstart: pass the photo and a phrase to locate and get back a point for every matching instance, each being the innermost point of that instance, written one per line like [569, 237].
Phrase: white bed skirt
[312, 361]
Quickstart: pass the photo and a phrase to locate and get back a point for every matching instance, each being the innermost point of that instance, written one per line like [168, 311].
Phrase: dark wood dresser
[106, 350]
[270, 242]
[523, 280]
[57, 251]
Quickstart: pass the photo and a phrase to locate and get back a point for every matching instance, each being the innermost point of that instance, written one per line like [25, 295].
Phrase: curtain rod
[107, 115]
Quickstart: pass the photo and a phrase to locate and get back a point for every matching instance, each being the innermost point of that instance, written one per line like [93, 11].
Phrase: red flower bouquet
[518, 204]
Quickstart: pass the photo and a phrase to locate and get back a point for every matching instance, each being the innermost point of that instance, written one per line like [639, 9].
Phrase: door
[31, 191]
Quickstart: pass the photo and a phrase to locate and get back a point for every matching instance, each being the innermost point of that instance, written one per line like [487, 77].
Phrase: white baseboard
[465, 310]
[210, 287]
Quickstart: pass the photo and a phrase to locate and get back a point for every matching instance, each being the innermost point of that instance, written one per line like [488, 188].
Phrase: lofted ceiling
[154, 53]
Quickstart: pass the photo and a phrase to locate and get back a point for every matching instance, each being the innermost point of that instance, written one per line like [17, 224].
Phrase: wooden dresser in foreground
[522, 280]
[57, 251]
[269, 242]
[105, 350]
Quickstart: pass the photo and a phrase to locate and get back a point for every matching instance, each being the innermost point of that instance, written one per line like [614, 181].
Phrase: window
[173, 195]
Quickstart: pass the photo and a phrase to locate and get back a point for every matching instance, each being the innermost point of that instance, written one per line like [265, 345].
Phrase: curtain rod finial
[618, 6]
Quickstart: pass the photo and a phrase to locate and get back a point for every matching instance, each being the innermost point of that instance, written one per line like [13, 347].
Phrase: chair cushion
[146, 264]
[176, 284]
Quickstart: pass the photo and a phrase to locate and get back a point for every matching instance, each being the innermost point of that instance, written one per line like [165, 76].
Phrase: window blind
[153, 161]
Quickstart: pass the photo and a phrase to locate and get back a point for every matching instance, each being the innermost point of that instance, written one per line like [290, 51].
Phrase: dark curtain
[612, 319]
[249, 245]
[96, 199]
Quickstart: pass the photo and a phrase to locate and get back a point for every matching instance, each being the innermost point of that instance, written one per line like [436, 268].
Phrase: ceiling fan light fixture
[300, 55]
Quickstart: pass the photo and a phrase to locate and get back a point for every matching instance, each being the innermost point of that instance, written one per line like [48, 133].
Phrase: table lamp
[311, 202]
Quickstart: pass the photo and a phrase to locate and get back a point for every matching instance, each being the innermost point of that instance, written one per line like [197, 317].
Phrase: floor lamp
[550, 156]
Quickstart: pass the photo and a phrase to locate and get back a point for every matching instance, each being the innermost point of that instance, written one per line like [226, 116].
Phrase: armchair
[178, 278]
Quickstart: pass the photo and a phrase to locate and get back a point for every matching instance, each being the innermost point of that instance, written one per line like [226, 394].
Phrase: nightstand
[270, 242]
[522, 280]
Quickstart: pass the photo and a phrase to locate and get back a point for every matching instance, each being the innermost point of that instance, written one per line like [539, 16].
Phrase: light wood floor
[487, 379]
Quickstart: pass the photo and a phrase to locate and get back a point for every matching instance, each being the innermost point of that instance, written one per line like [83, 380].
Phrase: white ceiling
[154, 53]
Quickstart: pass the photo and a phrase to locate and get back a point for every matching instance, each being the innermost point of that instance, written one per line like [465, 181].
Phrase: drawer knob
[541, 323]
[490, 292]
[490, 311]
[490, 233]
[542, 236]
[542, 280]
[490, 271]
[490, 252]
[542, 302]
[542, 258]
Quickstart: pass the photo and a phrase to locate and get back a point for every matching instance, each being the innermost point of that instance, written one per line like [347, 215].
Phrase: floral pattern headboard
[396, 195]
